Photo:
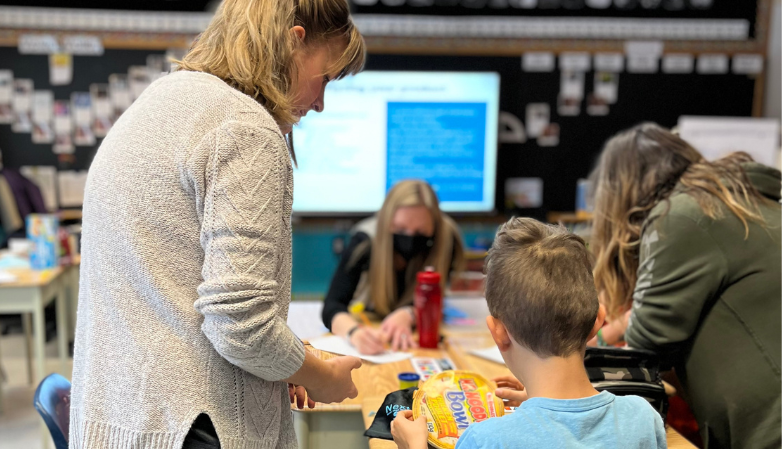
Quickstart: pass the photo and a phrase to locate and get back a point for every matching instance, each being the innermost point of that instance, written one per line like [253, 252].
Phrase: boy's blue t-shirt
[603, 420]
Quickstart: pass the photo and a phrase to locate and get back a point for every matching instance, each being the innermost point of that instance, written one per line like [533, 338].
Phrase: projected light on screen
[381, 127]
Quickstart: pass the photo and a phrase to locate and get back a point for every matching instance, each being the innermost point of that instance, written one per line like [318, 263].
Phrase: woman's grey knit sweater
[185, 276]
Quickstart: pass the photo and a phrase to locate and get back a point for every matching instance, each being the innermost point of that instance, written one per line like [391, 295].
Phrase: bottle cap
[429, 276]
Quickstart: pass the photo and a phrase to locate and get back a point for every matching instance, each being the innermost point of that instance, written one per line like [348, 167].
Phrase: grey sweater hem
[113, 436]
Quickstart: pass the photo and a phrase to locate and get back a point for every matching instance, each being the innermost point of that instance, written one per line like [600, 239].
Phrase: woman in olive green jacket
[688, 265]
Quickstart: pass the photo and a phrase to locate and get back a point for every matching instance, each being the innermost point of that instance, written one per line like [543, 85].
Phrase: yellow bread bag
[451, 402]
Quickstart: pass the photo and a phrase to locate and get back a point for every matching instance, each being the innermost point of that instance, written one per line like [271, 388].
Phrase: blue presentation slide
[380, 127]
[442, 143]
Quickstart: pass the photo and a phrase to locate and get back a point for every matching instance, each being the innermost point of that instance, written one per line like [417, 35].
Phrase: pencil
[358, 309]
[365, 319]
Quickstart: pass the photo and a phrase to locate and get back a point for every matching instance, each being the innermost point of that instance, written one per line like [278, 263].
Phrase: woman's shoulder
[206, 92]
[359, 250]
[678, 205]
[367, 226]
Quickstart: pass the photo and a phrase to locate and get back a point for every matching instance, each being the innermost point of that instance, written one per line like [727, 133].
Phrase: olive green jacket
[708, 300]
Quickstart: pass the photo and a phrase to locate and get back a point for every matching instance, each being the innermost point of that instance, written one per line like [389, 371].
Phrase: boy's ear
[499, 333]
[299, 32]
[599, 320]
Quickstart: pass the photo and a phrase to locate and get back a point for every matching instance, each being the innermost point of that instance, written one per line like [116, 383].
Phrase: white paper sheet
[60, 69]
[609, 62]
[6, 86]
[492, 353]
[305, 321]
[716, 137]
[338, 345]
[538, 62]
[71, 186]
[475, 308]
[6, 277]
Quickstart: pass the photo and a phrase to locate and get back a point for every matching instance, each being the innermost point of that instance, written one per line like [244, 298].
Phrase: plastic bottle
[428, 300]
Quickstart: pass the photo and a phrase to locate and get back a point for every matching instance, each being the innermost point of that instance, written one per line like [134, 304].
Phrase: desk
[375, 381]
[29, 295]
[459, 343]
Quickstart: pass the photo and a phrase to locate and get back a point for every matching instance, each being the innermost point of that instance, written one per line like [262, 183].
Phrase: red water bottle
[429, 308]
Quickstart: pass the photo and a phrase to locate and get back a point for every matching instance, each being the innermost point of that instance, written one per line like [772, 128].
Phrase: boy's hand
[510, 389]
[409, 434]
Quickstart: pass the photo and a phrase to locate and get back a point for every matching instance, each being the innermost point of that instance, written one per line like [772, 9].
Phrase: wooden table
[29, 295]
[375, 381]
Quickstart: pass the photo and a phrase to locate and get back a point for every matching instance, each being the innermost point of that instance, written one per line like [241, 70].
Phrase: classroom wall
[314, 257]
[641, 97]
[18, 149]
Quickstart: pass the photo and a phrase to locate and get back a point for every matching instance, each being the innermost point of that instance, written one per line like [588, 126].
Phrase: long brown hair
[638, 169]
[446, 252]
[249, 45]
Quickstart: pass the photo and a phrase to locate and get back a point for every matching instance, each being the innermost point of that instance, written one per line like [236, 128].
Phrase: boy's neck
[552, 377]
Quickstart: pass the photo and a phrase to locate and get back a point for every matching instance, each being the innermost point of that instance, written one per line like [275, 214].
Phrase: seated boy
[544, 309]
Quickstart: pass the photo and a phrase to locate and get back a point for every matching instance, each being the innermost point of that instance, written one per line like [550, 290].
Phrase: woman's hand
[298, 394]
[335, 383]
[367, 340]
[510, 389]
[397, 329]
[614, 331]
[409, 433]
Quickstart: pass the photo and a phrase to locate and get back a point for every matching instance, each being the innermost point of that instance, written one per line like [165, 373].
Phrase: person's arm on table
[335, 306]
[241, 234]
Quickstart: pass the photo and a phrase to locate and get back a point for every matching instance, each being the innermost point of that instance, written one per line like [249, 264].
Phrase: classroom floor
[20, 424]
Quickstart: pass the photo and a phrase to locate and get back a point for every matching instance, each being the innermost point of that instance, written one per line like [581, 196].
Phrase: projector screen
[382, 127]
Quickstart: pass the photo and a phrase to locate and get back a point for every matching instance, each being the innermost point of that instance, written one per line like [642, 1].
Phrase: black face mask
[409, 246]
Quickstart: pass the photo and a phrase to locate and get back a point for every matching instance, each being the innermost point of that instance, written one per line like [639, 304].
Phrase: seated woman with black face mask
[378, 268]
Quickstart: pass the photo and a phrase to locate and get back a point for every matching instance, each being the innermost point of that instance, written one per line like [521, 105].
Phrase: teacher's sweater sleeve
[244, 242]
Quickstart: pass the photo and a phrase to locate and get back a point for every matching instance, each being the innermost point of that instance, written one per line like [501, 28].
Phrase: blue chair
[53, 401]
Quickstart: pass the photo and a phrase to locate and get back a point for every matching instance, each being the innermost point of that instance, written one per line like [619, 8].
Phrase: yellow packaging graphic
[451, 402]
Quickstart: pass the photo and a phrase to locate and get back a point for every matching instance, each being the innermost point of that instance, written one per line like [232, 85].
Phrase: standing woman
[181, 337]
[378, 268]
[688, 265]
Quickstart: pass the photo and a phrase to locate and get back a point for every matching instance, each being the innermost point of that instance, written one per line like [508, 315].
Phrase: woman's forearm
[342, 323]
[312, 370]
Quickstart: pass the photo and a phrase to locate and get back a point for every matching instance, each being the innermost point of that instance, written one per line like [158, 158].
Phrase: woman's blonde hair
[249, 45]
[638, 169]
[446, 253]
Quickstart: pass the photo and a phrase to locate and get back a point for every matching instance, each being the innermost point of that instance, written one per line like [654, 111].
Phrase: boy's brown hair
[539, 285]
